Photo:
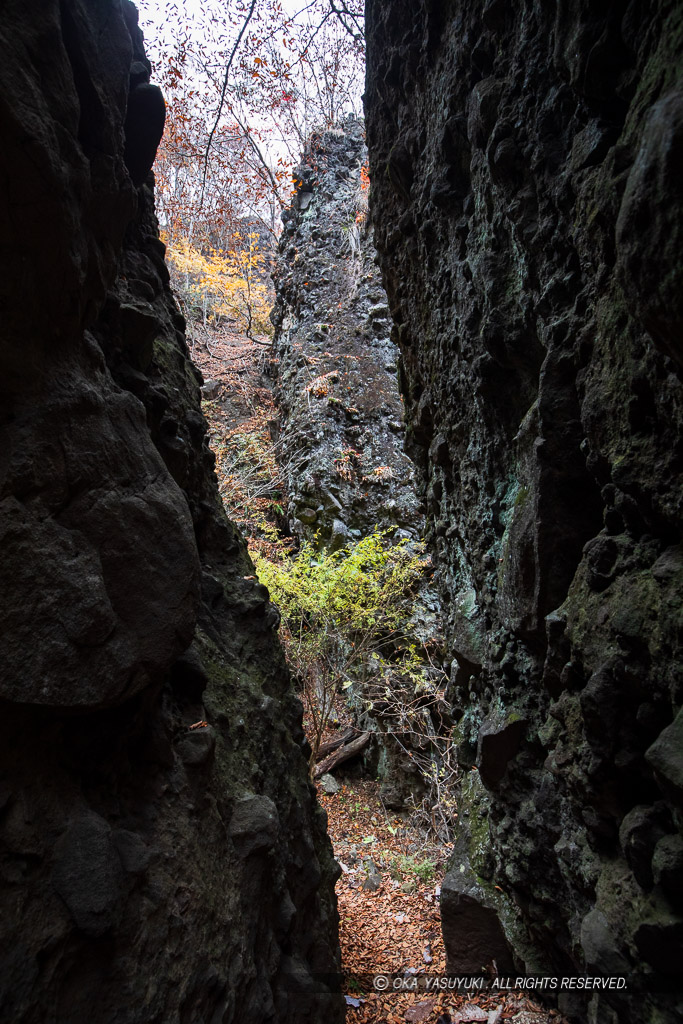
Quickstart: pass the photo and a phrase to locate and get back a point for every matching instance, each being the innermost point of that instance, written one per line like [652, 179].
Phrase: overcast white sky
[165, 23]
[156, 13]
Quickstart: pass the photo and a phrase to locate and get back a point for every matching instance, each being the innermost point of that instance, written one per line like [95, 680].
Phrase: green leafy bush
[345, 616]
[406, 864]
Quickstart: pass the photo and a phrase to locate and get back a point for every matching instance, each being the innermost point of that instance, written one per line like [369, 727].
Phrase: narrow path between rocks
[388, 897]
[388, 892]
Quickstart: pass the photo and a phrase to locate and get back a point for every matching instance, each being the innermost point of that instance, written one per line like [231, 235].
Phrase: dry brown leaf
[420, 1011]
[470, 1013]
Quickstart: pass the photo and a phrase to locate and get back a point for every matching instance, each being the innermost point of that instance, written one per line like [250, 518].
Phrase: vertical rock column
[341, 428]
[341, 434]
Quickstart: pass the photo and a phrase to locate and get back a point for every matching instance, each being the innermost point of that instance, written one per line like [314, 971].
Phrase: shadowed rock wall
[527, 203]
[161, 853]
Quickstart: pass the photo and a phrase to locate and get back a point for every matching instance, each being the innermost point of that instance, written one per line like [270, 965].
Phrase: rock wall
[341, 431]
[162, 855]
[527, 204]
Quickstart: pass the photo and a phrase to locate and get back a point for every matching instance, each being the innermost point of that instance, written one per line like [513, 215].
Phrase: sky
[154, 13]
[165, 22]
[277, 130]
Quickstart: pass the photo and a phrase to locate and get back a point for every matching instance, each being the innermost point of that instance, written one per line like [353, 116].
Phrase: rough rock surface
[161, 853]
[527, 203]
[341, 432]
[341, 427]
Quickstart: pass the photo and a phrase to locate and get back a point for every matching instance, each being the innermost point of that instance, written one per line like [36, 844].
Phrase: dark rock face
[161, 853]
[526, 195]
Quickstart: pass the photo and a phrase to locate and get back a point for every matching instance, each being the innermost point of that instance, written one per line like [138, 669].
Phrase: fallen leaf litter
[388, 930]
[391, 926]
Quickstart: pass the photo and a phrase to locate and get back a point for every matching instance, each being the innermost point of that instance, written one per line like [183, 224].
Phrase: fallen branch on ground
[329, 745]
[342, 754]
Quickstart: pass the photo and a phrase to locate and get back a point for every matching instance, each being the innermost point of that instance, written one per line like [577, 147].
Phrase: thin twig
[248, 18]
[343, 10]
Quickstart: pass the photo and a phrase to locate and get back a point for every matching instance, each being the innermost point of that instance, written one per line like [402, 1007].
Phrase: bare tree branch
[342, 12]
[304, 53]
[265, 167]
[248, 18]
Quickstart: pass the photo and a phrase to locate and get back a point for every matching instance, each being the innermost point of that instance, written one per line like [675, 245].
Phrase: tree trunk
[329, 745]
[341, 754]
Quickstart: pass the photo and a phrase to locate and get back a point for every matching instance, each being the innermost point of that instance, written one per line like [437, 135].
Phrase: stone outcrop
[341, 430]
[161, 852]
[341, 433]
[527, 206]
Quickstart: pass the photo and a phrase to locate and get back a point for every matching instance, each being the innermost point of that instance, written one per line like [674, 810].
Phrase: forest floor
[388, 899]
[388, 892]
[239, 406]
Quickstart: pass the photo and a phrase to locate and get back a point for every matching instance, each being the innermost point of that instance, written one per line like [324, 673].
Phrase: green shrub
[344, 616]
[422, 869]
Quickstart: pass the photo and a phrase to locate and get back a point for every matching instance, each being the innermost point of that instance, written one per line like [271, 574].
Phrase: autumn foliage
[217, 285]
[246, 82]
[245, 85]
